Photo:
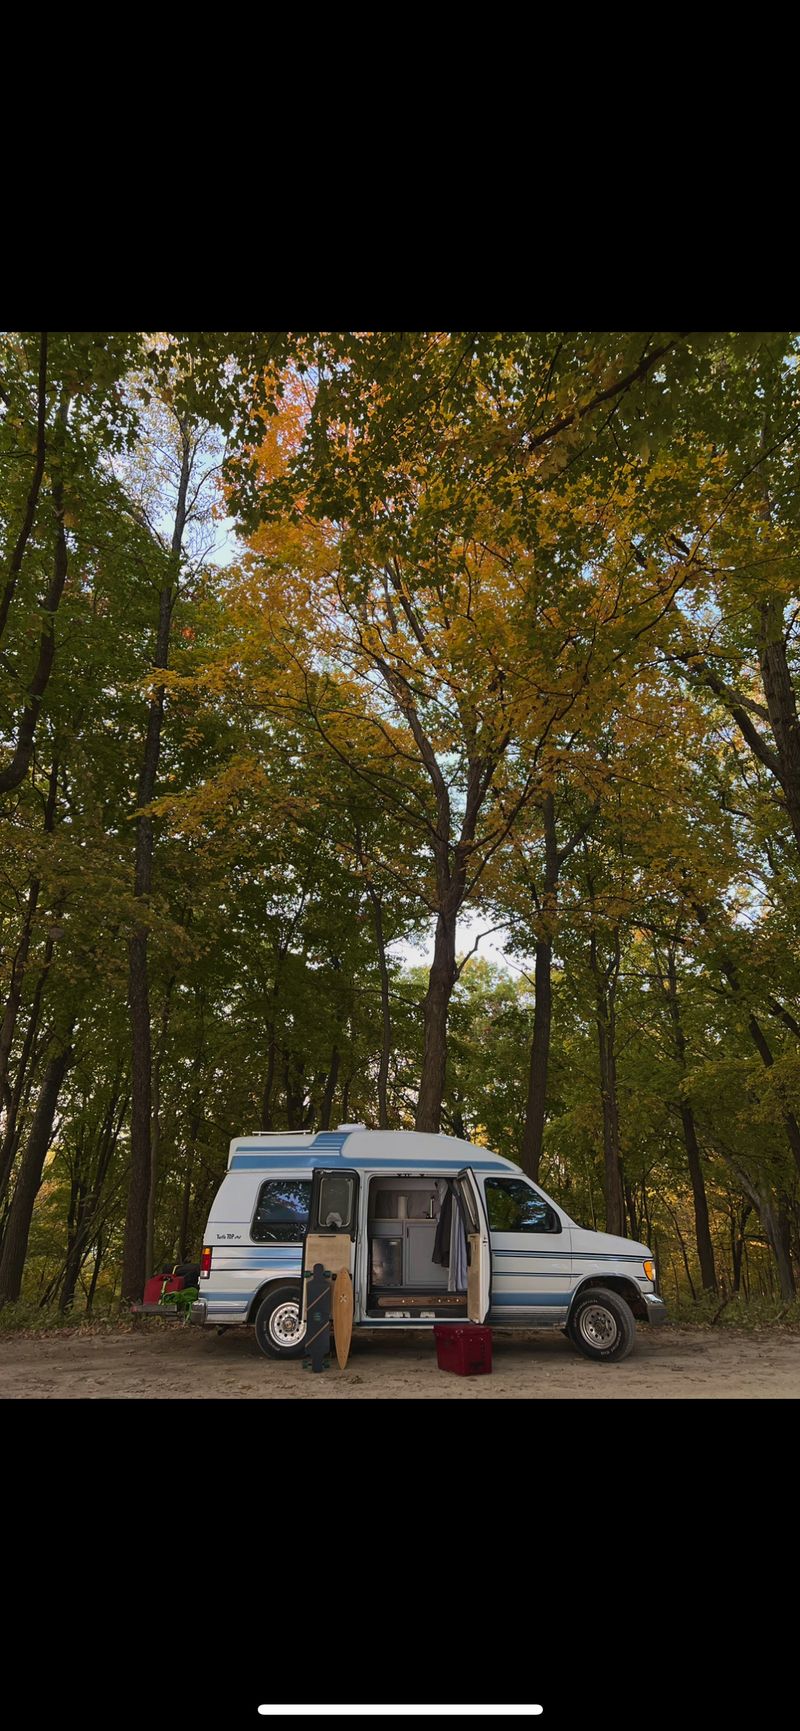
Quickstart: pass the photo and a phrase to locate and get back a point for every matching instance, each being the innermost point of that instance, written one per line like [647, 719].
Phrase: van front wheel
[279, 1331]
[601, 1325]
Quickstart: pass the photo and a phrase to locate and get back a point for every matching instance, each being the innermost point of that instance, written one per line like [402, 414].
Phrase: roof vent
[351, 1126]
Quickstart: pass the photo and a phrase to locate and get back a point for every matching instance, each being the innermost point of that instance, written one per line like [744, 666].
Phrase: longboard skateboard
[342, 1315]
[318, 1315]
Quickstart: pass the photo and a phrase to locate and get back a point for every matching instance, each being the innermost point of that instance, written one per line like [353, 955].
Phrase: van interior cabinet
[402, 1227]
[418, 1268]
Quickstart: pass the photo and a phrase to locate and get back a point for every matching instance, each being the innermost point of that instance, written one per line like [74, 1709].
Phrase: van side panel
[238, 1266]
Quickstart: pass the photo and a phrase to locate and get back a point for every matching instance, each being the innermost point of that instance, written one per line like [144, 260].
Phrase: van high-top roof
[355, 1145]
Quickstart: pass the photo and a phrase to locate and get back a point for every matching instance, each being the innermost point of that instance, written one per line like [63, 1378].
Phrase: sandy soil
[159, 1362]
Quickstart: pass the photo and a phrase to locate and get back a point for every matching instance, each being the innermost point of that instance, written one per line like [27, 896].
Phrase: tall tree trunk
[76, 1250]
[294, 1088]
[98, 1258]
[134, 1255]
[90, 1203]
[459, 1122]
[781, 706]
[765, 1053]
[737, 1244]
[155, 1152]
[272, 1019]
[15, 562]
[15, 1243]
[269, 1083]
[186, 1202]
[646, 1214]
[195, 1122]
[612, 1187]
[155, 1131]
[769, 1214]
[702, 1230]
[630, 1203]
[536, 1104]
[19, 763]
[605, 1017]
[774, 1229]
[682, 1242]
[330, 1090]
[441, 981]
[23, 1079]
[730, 970]
[705, 1248]
[453, 862]
[23, 1088]
[376, 901]
[134, 1252]
[9, 1023]
[386, 1017]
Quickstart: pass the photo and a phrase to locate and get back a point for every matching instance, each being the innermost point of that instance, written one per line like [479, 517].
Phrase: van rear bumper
[198, 1311]
[656, 1308]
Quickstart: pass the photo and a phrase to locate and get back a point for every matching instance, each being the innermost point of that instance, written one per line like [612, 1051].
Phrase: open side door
[332, 1223]
[479, 1247]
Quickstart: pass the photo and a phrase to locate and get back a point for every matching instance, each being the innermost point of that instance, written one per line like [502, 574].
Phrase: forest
[329, 658]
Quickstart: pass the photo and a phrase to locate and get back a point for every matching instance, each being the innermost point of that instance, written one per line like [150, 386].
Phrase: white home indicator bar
[397, 1711]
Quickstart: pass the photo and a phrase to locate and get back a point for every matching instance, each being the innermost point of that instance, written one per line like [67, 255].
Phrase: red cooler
[467, 1351]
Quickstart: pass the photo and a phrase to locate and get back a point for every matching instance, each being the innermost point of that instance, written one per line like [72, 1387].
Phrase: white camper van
[433, 1230]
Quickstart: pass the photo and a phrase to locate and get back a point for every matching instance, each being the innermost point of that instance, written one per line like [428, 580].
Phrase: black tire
[272, 1318]
[601, 1325]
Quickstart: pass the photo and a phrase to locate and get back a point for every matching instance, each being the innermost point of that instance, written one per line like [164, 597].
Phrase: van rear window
[282, 1211]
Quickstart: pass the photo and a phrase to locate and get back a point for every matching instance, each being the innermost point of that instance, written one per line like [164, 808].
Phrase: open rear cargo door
[332, 1223]
[479, 1247]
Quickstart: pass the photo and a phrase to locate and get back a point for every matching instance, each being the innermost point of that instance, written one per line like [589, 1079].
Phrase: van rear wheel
[601, 1325]
[279, 1331]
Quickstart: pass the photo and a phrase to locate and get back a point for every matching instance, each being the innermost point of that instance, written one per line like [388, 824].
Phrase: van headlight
[650, 1270]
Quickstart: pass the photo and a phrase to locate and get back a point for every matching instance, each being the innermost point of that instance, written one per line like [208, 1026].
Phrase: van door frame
[343, 1241]
[480, 1241]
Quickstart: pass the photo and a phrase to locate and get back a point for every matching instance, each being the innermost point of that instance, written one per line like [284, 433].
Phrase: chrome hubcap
[285, 1327]
[597, 1326]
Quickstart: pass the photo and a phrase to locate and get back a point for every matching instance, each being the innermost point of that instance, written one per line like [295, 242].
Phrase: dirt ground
[159, 1362]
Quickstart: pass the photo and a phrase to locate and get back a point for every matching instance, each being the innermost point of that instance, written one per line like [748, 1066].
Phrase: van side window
[514, 1206]
[281, 1211]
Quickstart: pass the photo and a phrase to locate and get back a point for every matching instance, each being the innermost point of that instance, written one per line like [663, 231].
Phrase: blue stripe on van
[248, 1158]
[224, 1264]
[559, 1255]
[528, 1274]
[220, 1292]
[327, 1142]
[267, 1251]
[230, 1265]
[526, 1300]
[553, 1255]
[604, 1256]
